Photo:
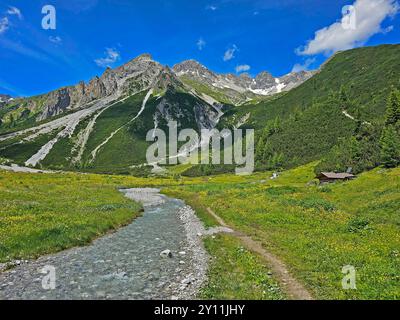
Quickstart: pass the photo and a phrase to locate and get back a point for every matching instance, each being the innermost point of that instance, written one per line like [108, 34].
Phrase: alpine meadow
[162, 179]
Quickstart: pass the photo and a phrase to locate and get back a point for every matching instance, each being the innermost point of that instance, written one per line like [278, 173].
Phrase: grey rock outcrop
[5, 98]
[134, 76]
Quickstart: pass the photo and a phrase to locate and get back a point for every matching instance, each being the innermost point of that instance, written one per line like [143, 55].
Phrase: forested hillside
[346, 99]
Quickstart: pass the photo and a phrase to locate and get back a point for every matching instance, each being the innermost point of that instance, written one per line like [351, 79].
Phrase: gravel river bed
[160, 255]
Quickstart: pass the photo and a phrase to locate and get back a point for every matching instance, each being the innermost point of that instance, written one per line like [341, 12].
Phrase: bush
[208, 170]
[314, 203]
[276, 191]
[357, 224]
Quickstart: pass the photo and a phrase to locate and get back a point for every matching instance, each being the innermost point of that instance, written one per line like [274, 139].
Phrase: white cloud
[242, 68]
[230, 53]
[5, 22]
[14, 11]
[388, 29]
[112, 55]
[368, 16]
[201, 44]
[303, 67]
[4, 25]
[55, 40]
[211, 7]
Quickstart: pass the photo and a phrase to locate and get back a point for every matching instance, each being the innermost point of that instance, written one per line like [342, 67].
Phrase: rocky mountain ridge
[263, 84]
[4, 98]
[136, 75]
[130, 100]
[142, 73]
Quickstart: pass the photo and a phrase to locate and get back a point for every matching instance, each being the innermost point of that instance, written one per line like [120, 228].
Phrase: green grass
[21, 152]
[311, 116]
[109, 121]
[221, 95]
[45, 213]
[317, 230]
[248, 278]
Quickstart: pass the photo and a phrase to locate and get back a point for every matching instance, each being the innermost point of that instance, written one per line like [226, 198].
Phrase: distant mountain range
[237, 89]
[4, 98]
[101, 125]
[142, 73]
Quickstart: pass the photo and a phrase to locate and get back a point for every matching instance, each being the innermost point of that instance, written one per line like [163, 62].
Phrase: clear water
[123, 265]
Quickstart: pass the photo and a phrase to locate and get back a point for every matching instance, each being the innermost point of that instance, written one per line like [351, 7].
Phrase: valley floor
[315, 231]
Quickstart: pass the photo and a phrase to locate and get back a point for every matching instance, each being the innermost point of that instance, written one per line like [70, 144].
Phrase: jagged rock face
[177, 104]
[95, 90]
[294, 79]
[4, 98]
[206, 117]
[58, 101]
[55, 103]
[109, 81]
[132, 77]
[195, 114]
[263, 80]
[167, 80]
[136, 66]
[195, 70]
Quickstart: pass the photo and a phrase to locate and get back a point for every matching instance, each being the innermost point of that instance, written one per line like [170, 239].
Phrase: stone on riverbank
[166, 254]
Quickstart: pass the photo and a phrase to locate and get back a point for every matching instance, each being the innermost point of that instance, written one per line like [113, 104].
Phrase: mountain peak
[194, 69]
[190, 62]
[245, 75]
[5, 98]
[144, 57]
[263, 84]
[189, 66]
[264, 75]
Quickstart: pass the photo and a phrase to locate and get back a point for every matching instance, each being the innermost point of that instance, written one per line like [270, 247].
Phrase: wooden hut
[329, 177]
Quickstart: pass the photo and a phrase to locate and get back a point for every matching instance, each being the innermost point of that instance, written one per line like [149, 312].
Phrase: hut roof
[334, 175]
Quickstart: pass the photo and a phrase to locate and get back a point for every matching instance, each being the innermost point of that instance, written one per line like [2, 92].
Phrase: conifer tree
[390, 147]
[393, 108]
[390, 139]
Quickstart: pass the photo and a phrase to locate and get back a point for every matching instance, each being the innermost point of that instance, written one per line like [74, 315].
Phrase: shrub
[276, 191]
[357, 224]
[314, 203]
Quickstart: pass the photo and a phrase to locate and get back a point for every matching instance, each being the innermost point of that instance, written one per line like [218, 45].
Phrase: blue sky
[225, 35]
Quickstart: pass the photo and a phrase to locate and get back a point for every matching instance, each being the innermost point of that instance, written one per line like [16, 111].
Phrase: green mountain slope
[104, 127]
[313, 117]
